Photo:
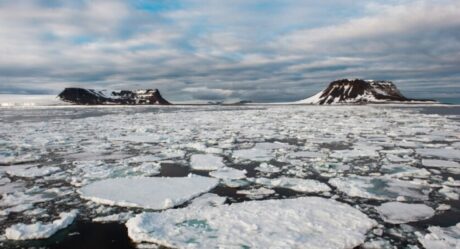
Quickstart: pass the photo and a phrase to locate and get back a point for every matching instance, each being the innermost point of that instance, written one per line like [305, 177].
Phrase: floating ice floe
[208, 199]
[260, 152]
[399, 213]
[31, 172]
[306, 154]
[296, 184]
[147, 192]
[120, 217]
[446, 153]
[267, 168]
[400, 170]
[296, 223]
[206, 162]
[435, 163]
[380, 188]
[228, 173]
[40, 230]
[256, 193]
[441, 238]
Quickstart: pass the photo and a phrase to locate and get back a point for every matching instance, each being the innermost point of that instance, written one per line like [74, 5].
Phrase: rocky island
[82, 96]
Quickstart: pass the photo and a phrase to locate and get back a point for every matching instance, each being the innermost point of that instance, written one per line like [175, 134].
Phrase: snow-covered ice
[147, 192]
[228, 173]
[40, 230]
[441, 238]
[296, 184]
[306, 222]
[398, 212]
[206, 162]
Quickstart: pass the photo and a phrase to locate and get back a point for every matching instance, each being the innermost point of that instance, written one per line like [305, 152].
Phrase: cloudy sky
[271, 50]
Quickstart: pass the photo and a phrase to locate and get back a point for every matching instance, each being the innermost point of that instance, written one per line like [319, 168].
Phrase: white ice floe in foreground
[206, 162]
[398, 212]
[296, 184]
[441, 238]
[40, 230]
[147, 192]
[380, 188]
[307, 222]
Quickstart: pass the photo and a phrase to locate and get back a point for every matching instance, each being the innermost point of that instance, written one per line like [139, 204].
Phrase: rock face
[82, 96]
[357, 91]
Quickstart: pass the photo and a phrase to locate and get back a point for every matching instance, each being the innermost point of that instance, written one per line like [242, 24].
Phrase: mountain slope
[82, 96]
[357, 91]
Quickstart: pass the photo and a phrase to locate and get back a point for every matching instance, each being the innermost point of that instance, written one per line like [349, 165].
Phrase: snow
[295, 223]
[399, 213]
[206, 162]
[441, 238]
[147, 192]
[40, 230]
[208, 199]
[296, 184]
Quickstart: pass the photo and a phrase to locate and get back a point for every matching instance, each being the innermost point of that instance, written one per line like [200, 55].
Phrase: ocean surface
[364, 155]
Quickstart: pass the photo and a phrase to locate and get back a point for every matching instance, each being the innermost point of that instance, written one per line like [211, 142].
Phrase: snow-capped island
[82, 96]
[359, 91]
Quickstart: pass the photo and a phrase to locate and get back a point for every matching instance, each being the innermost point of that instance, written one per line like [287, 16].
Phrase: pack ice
[307, 222]
[147, 192]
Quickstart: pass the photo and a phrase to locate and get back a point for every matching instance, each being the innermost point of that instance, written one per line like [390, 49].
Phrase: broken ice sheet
[401, 170]
[40, 230]
[398, 212]
[206, 162]
[296, 184]
[260, 152]
[441, 238]
[256, 193]
[147, 192]
[228, 173]
[446, 153]
[306, 222]
[380, 188]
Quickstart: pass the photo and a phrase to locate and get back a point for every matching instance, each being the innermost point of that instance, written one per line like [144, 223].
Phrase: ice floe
[380, 188]
[398, 212]
[302, 222]
[446, 153]
[441, 238]
[296, 184]
[440, 163]
[228, 173]
[256, 193]
[147, 192]
[40, 230]
[206, 162]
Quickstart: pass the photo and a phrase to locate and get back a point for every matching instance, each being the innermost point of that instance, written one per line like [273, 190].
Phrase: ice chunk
[306, 222]
[253, 154]
[206, 162]
[208, 199]
[296, 184]
[228, 173]
[446, 153]
[380, 188]
[398, 213]
[440, 163]
[400, 170]
[40, 230]
[267, 168]
[441, 238]
[120, 217]
[306, 154]
[256, 193]
[31, 172]
[147, 192]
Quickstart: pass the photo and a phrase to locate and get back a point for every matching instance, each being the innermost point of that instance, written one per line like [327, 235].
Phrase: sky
[197, 50]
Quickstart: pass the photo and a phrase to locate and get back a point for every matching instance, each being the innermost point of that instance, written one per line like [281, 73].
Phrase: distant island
[359, 91]
[82, 96]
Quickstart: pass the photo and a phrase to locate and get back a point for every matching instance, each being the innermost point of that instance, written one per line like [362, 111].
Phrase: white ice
[40, 230]
[441, 238]
[296, 184]
[398, 212]
[228, 173]
[445, 153]
[307, 222]
[440, 163]
[206, 162]
[147, 192]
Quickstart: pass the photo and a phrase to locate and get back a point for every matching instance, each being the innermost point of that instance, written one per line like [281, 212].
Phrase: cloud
[216, 50]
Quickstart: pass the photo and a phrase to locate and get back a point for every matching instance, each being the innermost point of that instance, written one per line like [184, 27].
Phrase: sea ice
[267, 168]
[306, 222]
[401, 170]
[206, 162]
[380, 188]
[40, 230]
[208, 199]
[147, 192]
[31, 172]
[440, 152]
[228, 173]
[296, 184]
[256, 193]
[399, 213]
[441, 238]
[440, 163]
